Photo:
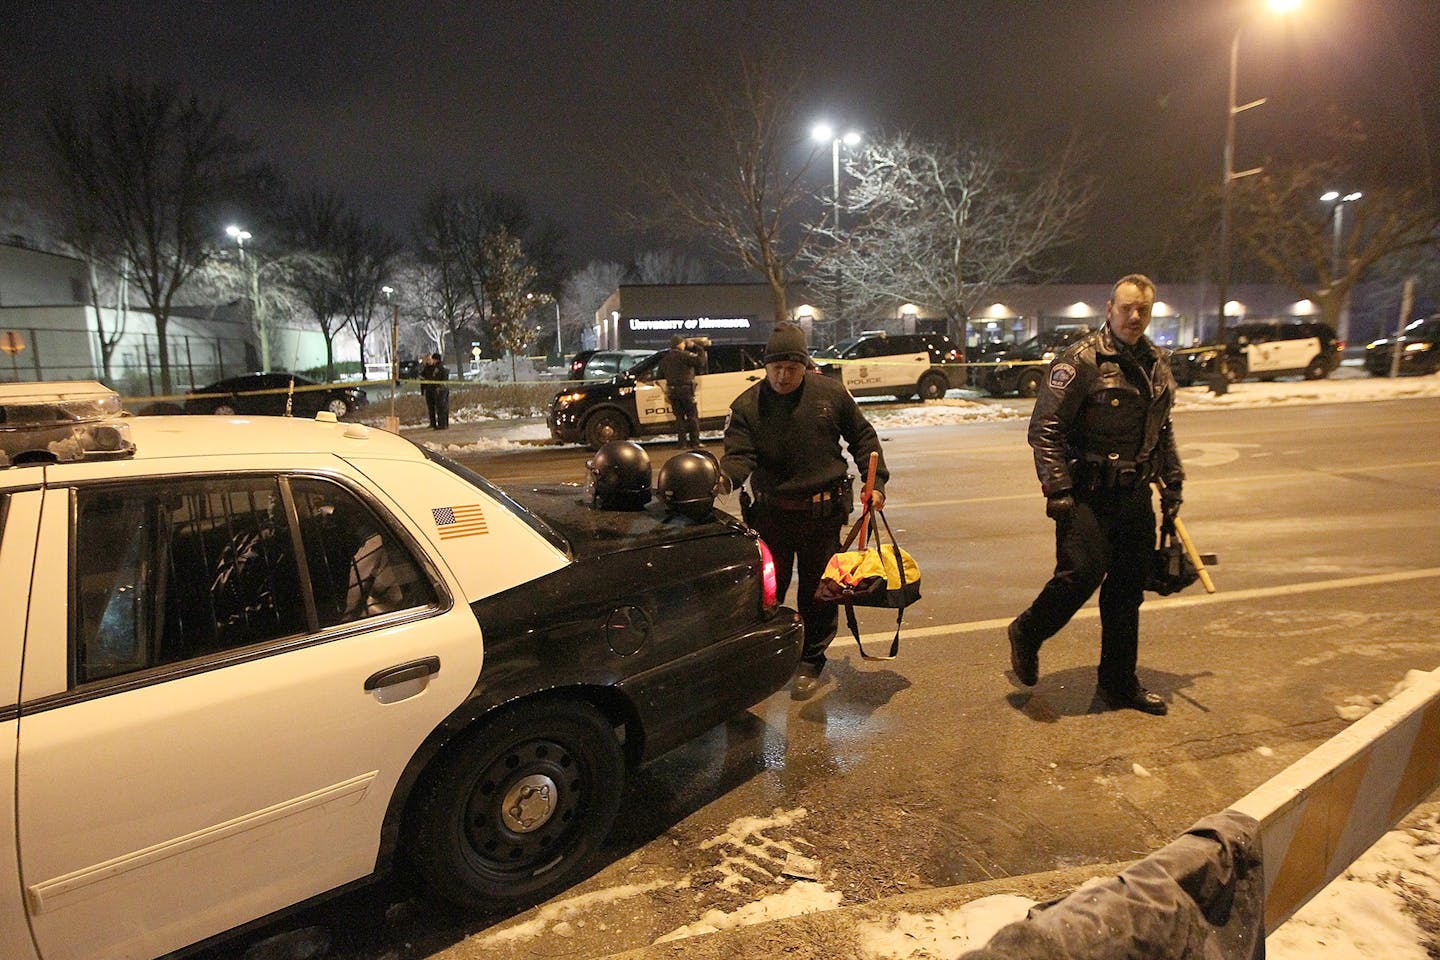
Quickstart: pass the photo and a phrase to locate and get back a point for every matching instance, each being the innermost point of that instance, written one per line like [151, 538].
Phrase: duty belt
[1102, 471]
[812, 502]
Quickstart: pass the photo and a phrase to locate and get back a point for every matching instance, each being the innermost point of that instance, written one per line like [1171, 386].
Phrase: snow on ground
[1346, 385]
[1386, 906]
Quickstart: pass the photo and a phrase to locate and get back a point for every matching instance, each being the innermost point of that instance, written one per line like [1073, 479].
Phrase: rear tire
[517, 808]
[604, 426]
[932, 386]
[223, 410]
[1316, 369]
[1029, 383]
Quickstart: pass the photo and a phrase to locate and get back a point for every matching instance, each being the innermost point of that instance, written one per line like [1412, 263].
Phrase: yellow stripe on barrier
[1326, 809]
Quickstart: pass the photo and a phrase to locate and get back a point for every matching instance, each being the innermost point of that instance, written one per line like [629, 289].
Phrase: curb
[833, 934]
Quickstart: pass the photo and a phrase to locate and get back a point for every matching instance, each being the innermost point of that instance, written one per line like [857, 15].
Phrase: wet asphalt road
[935, 768]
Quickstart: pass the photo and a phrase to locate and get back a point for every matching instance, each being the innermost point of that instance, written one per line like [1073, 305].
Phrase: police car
[245, 661]
[633, 403]
[902, 365]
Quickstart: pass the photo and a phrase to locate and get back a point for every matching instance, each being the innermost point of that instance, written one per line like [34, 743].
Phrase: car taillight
[1339, 346]
[768, 596]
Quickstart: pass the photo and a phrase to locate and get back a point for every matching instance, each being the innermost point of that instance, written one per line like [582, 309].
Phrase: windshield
[836, 350]
[1426, 327]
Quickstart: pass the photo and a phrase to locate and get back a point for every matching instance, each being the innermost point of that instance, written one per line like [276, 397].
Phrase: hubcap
[529, 803]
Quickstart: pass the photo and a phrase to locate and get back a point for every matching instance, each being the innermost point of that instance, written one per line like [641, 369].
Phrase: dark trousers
[1106, 542]
[794, 535]
[687, 417]
[437, 405]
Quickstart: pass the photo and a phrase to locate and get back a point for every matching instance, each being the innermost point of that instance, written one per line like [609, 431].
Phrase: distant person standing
[681, 364]
[783, 436]
[437, 395]
[1101, 435]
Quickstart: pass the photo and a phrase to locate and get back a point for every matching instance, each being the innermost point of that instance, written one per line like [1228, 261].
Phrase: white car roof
[158, 438]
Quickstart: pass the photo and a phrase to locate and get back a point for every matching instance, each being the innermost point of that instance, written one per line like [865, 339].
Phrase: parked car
[1264, 351]
[264, 659]
[1019, 368]
[1419, 351]
[633, 403]
[903, 365]
[266, 394]
[604, 364]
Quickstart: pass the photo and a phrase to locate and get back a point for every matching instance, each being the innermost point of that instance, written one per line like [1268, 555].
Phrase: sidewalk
[942, 922]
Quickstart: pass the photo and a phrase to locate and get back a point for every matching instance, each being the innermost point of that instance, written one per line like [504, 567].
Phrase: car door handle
[752, 379]
[403, 673]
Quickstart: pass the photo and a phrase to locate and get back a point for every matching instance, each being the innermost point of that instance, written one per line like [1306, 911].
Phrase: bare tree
[270, 283]
[146, 168]
[364, 258]
[668, 266]
[585, 292]
[455, 235]
[1284, 227]
[314, 221]
[941, 225]
[724, 174]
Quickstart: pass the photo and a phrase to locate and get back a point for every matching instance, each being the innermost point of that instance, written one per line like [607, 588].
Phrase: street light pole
[823, 132]
[1230, 175]
[1227, 184]
[559, 349]
[1337, 215]
[392, 422]
[252, 282]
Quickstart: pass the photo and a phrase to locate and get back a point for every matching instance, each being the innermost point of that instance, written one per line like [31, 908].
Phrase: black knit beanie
[787, 343]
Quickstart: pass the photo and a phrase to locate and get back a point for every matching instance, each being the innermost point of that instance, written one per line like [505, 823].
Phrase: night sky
[381, 101]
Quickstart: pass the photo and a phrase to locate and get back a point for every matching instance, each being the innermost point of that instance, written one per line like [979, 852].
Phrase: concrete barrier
[1319, 814]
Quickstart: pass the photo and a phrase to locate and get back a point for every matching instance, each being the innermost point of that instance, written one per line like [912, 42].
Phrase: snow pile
[948, 933]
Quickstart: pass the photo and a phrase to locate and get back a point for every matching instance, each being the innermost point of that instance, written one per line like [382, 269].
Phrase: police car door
[732, 370]
[1266, 352]
[652, 408]
[197, 755]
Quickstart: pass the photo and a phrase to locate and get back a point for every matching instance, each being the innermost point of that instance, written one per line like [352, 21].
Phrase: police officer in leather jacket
[1101, 434]
[682, 363]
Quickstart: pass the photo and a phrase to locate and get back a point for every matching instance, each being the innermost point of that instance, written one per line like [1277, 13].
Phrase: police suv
[633, 403]
[902, 365]
[1265, 350]
[245, 661]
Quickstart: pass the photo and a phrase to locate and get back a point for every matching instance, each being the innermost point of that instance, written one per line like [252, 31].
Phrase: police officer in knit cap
[783, 436]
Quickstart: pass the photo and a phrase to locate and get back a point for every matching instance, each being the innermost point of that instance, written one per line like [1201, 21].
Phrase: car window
[357, 567]
[194, 568]
[189, 569]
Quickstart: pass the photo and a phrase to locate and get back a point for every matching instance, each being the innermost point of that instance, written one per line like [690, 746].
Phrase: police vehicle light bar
[62, 422]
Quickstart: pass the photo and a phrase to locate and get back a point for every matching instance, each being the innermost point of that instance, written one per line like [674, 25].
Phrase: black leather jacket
[1100, 413]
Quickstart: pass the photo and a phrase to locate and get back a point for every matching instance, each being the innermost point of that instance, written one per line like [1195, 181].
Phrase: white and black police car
[633, 404]
[246, 661]
[902, 365]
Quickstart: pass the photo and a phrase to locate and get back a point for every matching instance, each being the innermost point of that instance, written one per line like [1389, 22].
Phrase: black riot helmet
[687, 483]
[620, 476]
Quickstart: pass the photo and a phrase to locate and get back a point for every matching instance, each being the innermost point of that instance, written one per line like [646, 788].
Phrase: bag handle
[899, 562]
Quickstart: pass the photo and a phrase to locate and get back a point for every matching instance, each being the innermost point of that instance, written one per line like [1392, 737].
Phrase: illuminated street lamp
[1230, 175]
[821, 133]
[252, 279]
[240, 236]
[1337, 216]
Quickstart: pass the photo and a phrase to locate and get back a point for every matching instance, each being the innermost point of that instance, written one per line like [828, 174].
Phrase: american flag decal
[466, 520]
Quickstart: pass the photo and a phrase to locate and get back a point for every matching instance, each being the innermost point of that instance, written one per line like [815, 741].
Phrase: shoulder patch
[1061, 374]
